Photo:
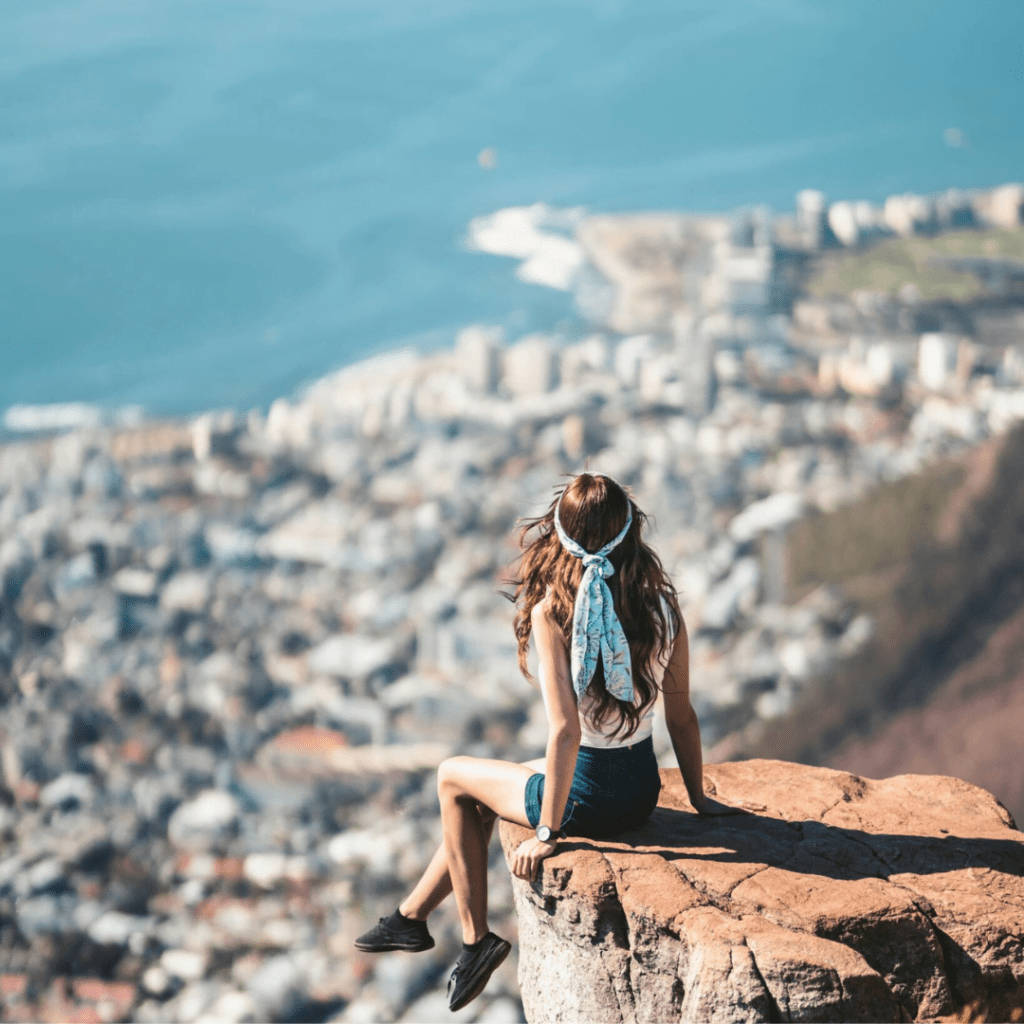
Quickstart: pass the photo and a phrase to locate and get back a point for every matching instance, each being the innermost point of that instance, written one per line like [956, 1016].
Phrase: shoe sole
[391, 947]
[497, 958]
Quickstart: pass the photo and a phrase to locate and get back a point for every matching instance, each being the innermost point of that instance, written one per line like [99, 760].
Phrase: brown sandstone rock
[839, 899]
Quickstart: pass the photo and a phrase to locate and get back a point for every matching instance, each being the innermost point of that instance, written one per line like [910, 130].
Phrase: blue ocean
[208, 203]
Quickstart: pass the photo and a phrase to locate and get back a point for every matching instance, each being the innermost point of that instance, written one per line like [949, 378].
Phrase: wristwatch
[545, 834]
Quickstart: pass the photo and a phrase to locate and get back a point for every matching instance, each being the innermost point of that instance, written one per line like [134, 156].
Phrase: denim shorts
[613, 789]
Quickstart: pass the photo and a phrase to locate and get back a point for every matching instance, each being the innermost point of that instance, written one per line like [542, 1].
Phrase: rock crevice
[842, 899]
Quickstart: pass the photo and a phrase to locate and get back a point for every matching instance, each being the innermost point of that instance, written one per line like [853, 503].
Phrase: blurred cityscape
[233, 650]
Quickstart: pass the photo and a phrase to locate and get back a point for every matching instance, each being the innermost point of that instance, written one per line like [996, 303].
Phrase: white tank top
[594, 735]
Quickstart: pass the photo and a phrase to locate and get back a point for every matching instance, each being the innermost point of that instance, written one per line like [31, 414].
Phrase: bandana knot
[599, 562]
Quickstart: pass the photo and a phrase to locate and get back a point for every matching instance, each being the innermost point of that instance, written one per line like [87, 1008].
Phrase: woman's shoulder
[546, 626]
[666, 610]
[543, 610]
[661, 602]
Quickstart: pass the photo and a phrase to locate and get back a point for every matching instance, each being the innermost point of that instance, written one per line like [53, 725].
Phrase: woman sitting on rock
[609, 634]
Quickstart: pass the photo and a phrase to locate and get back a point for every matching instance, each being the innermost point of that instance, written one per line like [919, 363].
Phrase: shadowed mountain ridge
[938, 560]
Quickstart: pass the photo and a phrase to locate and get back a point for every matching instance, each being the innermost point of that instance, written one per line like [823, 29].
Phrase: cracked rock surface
[837, 899]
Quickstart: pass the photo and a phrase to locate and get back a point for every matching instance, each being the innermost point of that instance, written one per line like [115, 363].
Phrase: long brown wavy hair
[593, 510]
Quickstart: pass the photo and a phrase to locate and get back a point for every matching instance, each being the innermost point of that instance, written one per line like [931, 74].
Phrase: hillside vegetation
[874, 534]
[894, 262]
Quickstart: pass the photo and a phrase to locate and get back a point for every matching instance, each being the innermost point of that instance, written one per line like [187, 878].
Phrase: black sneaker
[474, 969]
[396, 932]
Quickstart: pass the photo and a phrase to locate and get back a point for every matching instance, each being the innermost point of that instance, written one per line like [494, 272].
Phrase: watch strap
[556, 833]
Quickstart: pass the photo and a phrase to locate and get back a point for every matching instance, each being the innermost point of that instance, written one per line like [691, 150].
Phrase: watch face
[543, 833]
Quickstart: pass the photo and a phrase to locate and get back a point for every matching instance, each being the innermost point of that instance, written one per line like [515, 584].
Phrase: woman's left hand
[713, 808]
[526, 860]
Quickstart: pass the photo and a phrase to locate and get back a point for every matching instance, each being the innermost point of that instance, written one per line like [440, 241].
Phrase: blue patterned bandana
[595, 626]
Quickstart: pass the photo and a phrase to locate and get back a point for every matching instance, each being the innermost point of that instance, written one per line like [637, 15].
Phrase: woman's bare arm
[563, 718]
[684, 728]
[563, 740]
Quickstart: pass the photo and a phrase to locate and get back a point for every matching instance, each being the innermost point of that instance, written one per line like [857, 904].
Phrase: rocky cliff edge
[838, 899]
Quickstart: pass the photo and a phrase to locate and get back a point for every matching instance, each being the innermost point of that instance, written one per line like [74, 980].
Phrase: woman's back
[603, 734]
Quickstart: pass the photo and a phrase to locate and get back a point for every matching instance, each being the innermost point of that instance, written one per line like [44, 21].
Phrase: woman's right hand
[526, 860]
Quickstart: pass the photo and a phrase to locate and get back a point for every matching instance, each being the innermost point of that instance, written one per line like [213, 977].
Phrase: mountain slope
[938, 560]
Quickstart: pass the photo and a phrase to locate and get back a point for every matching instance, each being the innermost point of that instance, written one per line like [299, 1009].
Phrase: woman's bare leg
[471, 790]
[465, 847]
[435, 884]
